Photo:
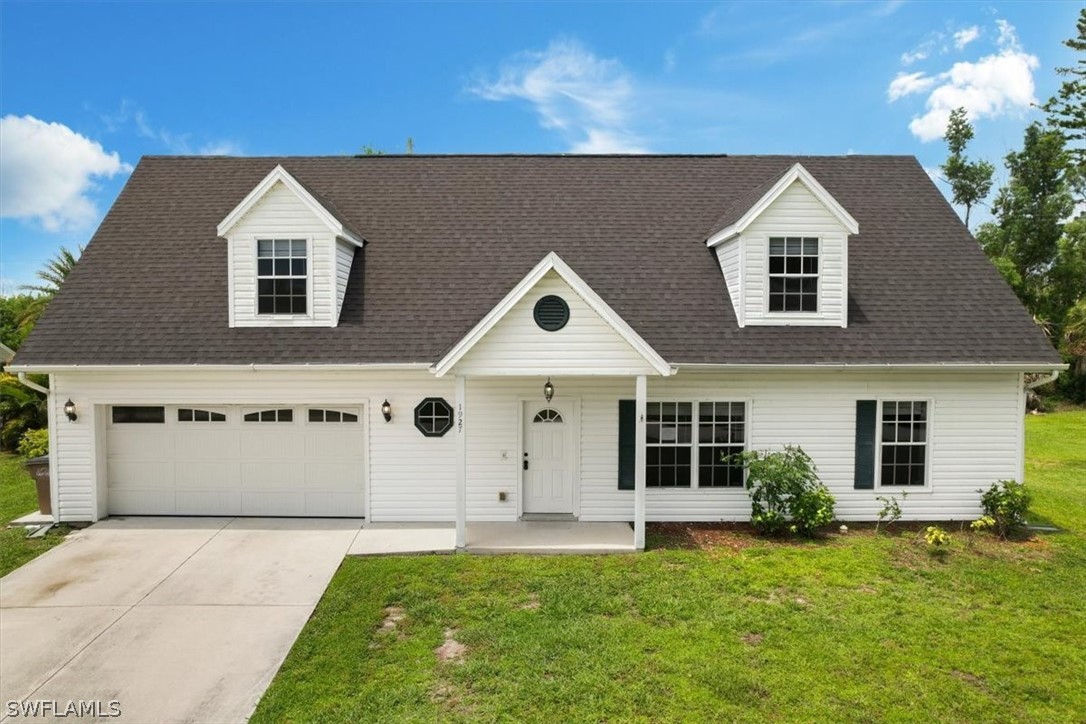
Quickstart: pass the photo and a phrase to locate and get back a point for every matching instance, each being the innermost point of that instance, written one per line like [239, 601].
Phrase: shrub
[938, 540]
[982, 524]
[785, 492]
[891, 509]
[34, 443]
[1006, 503]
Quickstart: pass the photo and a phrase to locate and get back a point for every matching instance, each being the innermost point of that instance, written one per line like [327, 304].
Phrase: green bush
[34, 443]
[785, 492]
[1006, 502]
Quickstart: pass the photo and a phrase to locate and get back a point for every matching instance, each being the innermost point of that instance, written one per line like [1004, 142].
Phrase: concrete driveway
[176, 619]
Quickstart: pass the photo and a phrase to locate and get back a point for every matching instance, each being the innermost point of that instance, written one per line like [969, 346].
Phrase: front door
[549, 457]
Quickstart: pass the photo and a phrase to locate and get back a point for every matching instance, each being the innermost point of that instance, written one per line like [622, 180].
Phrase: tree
[1024, 239]
[53, 274]
[970, 181]
[369, 150]
[21, 409]
[1067, 109]
[13, 309]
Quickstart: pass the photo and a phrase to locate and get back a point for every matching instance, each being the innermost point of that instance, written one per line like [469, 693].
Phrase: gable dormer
[289, 256]
[783, 249]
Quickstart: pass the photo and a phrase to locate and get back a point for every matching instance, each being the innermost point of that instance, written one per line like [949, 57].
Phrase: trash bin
[39, 470]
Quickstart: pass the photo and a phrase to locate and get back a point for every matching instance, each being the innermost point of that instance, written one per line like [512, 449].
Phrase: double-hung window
[793, 274]
[903, 443]
[690, 444]
[282, 276]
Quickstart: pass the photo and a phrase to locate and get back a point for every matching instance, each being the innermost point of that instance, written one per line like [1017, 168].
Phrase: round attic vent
[551, 313]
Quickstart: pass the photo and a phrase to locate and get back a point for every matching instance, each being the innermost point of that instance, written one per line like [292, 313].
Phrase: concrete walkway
[176, 619]
[547, 537]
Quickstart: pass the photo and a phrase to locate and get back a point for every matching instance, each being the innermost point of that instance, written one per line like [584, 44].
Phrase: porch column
[461, 464]
[639, 463]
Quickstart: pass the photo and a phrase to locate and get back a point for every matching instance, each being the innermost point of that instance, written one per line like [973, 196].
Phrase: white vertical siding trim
[54, 445]
[1021, 477]
[796, 212]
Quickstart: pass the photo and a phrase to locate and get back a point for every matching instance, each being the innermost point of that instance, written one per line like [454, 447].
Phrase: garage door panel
[332, 477]
[303, 467]
[288, 503]
[141, 474]
[272, 475]
[140, 442]
[205, 475]
[268, 444]
[142, 502]
[207, 444]
[208, 502]
[334, 444]
[346, 505]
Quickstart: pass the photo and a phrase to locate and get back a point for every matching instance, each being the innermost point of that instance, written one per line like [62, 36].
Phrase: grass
[717, 626]
[18, 496]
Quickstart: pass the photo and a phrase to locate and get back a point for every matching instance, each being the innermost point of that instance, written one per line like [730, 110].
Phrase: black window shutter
[866, 411]
[627, 443]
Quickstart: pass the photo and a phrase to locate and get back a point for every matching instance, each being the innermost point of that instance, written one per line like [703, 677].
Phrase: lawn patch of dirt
[451, 651]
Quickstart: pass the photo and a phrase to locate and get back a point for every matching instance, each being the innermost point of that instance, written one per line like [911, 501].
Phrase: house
[497, 338]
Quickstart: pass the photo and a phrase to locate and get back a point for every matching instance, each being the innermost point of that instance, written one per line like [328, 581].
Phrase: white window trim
[696, 445]
[928, 444]
[254, 247]
[820, 313]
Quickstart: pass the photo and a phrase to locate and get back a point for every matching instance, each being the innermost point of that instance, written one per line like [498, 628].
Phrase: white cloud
[995, 85]
[908, 83]
[179, 143]
[586, 98]
[965, 36]
[47, 173]
[911, 56]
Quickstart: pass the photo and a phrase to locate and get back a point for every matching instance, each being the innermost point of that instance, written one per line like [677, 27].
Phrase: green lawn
[852, 627]
[18, 496]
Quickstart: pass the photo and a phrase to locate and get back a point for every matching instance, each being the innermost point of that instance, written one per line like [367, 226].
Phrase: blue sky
[87, 89]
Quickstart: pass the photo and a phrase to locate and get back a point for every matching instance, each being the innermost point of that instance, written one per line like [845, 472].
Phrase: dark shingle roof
[448, 236]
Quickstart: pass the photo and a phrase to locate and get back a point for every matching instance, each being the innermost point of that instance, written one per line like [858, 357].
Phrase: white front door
[549, 456]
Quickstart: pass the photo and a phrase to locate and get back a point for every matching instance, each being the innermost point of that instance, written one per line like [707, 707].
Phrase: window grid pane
[793, 274]
[904, 443]
[669, 428]
[721, 434]
[281, 276]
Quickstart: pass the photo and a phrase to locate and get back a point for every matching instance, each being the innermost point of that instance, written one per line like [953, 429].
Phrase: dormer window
[793, 274]
[282, 276]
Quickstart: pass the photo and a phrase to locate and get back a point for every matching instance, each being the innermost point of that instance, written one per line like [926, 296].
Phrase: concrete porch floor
[540, 537]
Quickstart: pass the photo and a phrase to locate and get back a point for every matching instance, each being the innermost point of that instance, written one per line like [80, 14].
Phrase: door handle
[525, 461]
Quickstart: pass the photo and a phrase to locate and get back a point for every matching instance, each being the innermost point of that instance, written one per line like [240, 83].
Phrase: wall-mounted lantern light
[548, 390]
[69, 410]
[386, 410]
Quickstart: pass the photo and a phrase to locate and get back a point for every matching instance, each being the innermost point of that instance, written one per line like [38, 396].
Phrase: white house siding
[728, 254]
[975, 437]
[796, 212]
[409, 477]
[517, 345]
[975, 440]
[344, 259]
[282, 215]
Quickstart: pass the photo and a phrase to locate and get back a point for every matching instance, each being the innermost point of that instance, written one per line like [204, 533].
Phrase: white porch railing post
[461, 463]
[639, 463]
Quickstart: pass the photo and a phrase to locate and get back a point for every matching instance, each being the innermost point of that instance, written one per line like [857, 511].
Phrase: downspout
[1036, 383]
[33, 385]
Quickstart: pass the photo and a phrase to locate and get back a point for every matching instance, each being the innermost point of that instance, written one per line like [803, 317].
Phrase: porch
[540, 537]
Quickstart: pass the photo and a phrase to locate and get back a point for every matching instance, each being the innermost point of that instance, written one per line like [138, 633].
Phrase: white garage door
[274, 460]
